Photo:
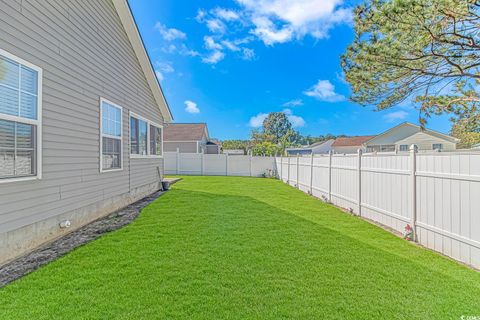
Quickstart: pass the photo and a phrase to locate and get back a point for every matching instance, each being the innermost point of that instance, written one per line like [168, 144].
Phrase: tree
[414, 48]
[276, 125]
[236, 144]
[265, 148]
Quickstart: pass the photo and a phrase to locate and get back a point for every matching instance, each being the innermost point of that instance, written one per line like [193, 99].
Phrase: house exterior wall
[394, 135]
[85, 54]
[347, 150]
[425, 141]
[185, 146]
[212, 149]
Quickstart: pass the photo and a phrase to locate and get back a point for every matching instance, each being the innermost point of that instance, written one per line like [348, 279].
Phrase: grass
[237, 248]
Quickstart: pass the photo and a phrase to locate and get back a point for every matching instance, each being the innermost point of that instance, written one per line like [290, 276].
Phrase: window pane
[153, 140]
[9, 72]
[25, 136]
[111, 153]
[8, 101]
[7, 134]
[24, 163]
[158, 142]
[7, 165]
[142, 125]
[134, 136]
[28, 106]
[110, 125]
[29, 80]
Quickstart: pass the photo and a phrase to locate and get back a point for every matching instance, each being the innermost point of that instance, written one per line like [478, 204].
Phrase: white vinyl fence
[217, 164]
[438, 194]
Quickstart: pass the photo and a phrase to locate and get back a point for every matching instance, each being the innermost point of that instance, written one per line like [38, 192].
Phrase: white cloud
[165, 67]
[230, 45]
[216, 26]
[396, 115]
[277, 21]
[293, 103]
[226, 14]
[169, 34]
[191, 107]
[257, 121]
[324, 90]
[248, 54]
[214, 57]
[159, 75]
[211, 44]
[296, 121]
[201, 14]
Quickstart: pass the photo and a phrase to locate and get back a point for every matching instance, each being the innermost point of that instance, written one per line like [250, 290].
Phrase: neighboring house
[350, 144]
[401, 137]
[397, 139]
[81, 118]
[320, 147]
[189, 138]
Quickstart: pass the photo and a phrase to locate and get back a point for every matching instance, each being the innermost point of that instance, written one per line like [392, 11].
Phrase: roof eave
[130, 26]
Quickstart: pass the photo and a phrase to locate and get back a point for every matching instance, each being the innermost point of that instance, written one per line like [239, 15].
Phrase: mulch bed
[53, 250]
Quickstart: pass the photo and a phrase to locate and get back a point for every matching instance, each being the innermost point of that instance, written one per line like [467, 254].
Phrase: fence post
[298, 171]
[226, 164]
[203, 165]
[281, 168]
[178, 161]
[288, 171]
[413, 183]
[311, 173]
[359, 177]
[330, 155]
[250, 165]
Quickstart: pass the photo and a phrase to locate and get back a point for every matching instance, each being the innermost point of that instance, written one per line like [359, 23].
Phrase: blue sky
[229, 63]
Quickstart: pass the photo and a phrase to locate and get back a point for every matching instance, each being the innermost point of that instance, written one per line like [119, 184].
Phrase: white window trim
[38, 122]
[102, 100]
[149, 123]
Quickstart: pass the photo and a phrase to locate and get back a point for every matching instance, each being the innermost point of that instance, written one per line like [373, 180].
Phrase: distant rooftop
[351, 141]
[184, 131]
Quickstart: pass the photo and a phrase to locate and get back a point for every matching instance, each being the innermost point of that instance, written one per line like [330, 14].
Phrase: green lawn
[236, 248]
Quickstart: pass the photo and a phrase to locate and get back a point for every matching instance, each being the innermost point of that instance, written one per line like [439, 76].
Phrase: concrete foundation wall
[16, 243]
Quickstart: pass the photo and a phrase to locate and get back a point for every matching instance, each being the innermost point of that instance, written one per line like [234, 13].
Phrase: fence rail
[438, 194]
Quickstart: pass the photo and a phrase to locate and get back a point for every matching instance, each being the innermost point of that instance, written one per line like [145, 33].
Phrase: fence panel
[321, 177]
[385, 190]
[217, 164]
[448, 194]
[344, 187]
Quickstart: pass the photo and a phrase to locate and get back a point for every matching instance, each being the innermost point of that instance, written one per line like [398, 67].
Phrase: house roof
[128, 22]
[351, 141]
[428, 131]
[185, 131]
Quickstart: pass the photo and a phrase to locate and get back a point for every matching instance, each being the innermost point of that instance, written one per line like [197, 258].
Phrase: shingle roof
[184, 131]
[351, 141]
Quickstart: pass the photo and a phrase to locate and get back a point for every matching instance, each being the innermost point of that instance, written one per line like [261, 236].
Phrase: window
[145, 137]
[111, 131]
[404, 147]
[20, 118]
[155, 140]
[138, 136]
[437, 146]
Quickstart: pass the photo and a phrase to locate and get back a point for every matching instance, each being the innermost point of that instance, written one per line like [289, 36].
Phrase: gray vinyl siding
[85, 54]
